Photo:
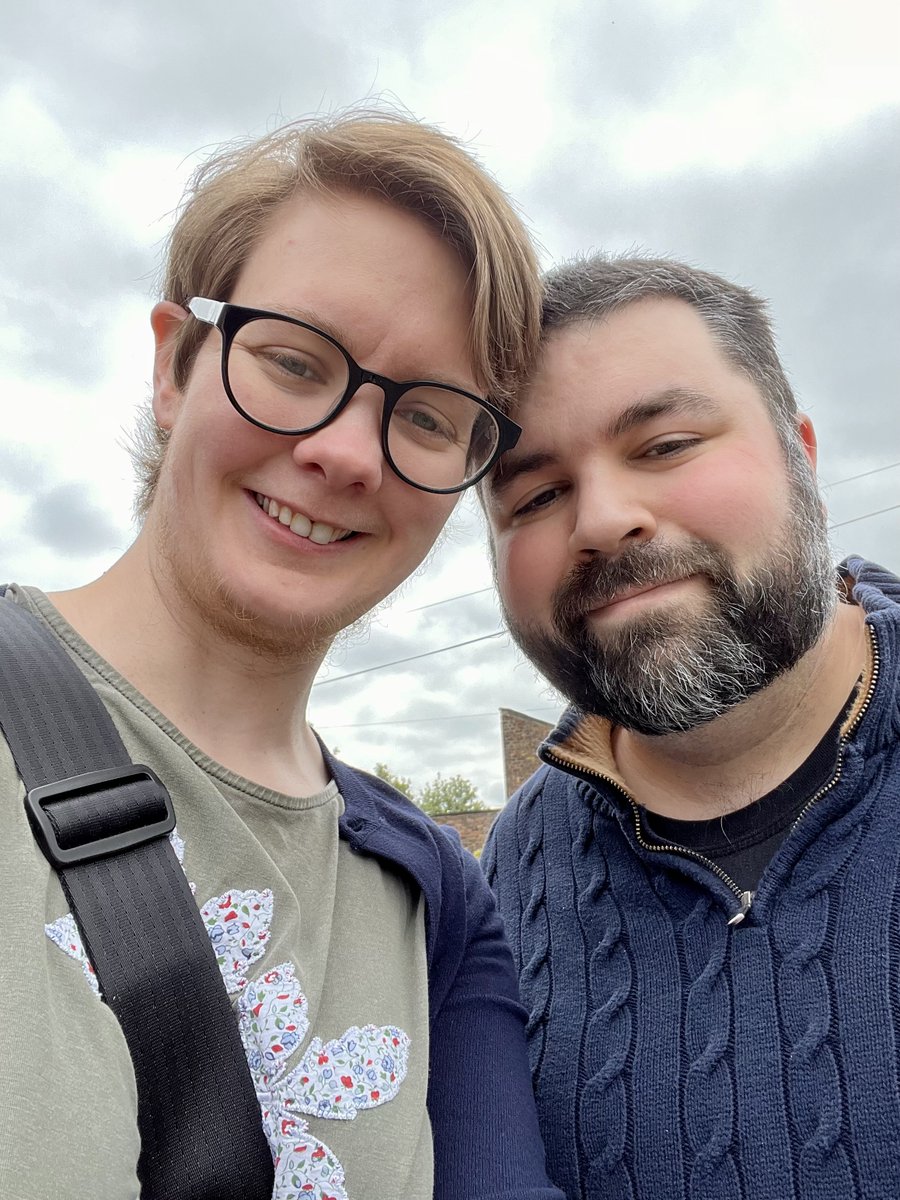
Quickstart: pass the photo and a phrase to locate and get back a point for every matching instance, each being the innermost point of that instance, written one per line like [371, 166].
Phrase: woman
[347, 306]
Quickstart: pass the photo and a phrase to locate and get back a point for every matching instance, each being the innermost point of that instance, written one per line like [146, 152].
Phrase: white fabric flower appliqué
[336, 1080]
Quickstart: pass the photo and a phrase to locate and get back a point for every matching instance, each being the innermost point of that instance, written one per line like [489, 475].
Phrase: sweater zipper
[745, 899]
[842, 745]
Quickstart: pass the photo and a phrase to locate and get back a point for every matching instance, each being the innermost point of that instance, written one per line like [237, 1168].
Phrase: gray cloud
[631, 53]
[818, 239]
[65, 519]
[18, 468]
[186, 73]
[60, 270]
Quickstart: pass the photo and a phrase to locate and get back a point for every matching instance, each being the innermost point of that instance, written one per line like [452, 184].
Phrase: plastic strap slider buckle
[47, 834]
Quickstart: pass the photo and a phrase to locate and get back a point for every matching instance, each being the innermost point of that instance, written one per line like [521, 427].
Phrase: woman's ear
[166, 320]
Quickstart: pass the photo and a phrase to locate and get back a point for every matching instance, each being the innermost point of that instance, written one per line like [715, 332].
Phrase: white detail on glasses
[206, 310]
[315, 531]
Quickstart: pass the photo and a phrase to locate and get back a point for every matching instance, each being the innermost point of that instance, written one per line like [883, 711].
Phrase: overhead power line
[412, 658]
[863, 475]
[865, 516]
[450, 599]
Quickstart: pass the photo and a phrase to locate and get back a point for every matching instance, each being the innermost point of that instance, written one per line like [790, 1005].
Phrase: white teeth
[302, 526]
[320, 534]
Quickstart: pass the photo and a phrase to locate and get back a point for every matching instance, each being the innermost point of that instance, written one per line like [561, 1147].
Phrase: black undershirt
[743, 843]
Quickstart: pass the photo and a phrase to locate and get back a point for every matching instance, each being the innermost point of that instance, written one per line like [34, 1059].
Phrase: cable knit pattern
[534, 936]
[801, 928]
[603, 1100]
[678, 1058]
[708, 1094]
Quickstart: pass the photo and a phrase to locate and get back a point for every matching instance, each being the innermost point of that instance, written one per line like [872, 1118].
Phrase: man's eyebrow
[671, 402]
[512, 465]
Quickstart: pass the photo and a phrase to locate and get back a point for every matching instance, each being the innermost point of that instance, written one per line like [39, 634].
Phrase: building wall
[521, 735]
[472, 827]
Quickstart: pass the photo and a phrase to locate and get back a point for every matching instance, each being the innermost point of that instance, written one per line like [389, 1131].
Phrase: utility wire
[412, 658]
[450, 599]
[864, 475]
[865, 516]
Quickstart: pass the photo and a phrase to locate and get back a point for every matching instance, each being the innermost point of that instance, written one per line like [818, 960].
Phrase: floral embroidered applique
[336, 1080]
[339, 1079]
[238, 927]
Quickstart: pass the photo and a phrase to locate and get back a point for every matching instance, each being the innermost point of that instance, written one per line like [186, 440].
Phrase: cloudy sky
[759, 138]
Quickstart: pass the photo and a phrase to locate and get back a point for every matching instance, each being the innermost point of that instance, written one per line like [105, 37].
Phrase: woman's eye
[292, 364]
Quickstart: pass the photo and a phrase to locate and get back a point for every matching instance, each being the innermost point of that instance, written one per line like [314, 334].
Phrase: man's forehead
[644, 347]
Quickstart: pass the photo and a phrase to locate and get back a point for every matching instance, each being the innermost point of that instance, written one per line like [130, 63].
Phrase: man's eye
[670, 448]
[541, 500]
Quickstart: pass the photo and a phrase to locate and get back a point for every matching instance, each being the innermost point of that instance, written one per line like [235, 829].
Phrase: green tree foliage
[452, 795]
[439, 797]
[400, 782]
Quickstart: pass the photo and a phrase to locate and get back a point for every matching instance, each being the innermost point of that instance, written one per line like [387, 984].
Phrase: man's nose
[611, 514]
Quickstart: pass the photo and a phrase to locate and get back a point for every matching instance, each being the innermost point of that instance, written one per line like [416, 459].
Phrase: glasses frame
[229, 319]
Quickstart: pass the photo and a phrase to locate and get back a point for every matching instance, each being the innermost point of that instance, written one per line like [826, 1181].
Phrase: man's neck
[732, 761]
[242, 707]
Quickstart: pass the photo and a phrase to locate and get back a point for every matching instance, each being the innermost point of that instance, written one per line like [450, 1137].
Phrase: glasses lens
[440, 438]
[285, 376]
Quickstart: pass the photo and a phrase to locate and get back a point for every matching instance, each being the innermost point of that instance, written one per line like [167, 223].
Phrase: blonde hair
[233, 195]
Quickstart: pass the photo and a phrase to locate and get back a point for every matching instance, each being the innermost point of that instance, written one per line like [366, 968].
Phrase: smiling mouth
[633, 593]
[300, 524]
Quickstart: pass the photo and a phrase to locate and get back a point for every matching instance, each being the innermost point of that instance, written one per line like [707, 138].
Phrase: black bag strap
[103, 822]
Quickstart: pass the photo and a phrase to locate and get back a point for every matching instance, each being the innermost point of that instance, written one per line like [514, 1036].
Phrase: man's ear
[807, 437]
[166, 320]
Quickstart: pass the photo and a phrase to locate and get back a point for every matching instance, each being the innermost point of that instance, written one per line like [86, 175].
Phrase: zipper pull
[746, 901]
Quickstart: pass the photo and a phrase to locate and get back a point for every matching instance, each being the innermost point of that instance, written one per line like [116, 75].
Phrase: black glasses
[288, 377]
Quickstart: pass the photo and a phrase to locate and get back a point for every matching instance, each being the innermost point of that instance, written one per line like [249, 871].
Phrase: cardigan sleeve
[487, 1145]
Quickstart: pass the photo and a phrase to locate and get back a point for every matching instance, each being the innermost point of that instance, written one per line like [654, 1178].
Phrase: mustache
[598, 581]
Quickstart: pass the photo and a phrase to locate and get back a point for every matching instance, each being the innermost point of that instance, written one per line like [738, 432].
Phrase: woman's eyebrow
[343, 338]
[309, 318]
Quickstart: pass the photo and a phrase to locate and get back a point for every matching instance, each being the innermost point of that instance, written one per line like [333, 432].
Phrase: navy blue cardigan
[486, 1140]
[676, 1056]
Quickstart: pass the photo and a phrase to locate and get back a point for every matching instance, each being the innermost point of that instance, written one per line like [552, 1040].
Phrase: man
[340, 300]
[701, 884]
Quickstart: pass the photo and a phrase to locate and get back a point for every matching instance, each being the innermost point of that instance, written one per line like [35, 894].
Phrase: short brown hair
[233, 195]
[590, 287]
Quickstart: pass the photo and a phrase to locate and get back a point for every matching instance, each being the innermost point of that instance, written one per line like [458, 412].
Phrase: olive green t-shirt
[321, 949]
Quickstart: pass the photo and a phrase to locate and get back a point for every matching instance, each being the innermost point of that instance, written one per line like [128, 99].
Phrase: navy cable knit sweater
[675, 1056]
